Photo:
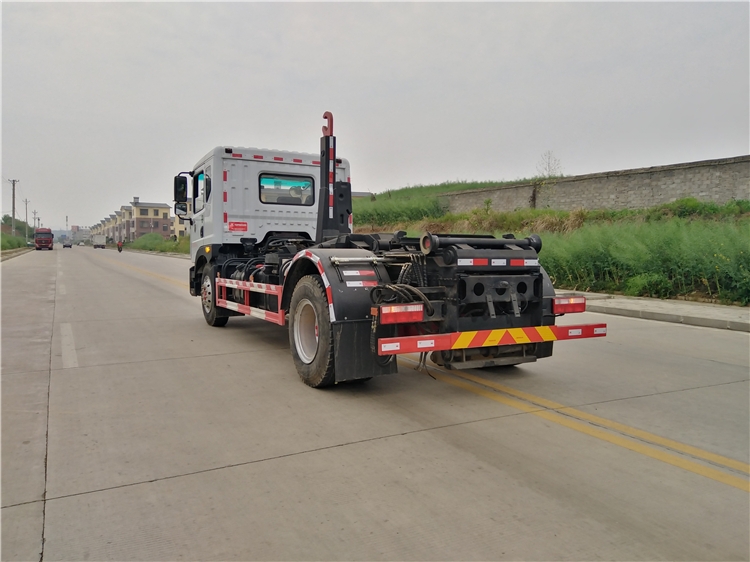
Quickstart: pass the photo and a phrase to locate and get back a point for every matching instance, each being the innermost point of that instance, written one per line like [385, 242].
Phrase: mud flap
[352, 355]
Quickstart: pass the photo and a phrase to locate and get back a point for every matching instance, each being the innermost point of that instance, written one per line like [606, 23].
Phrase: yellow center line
[632, 431]
[738, 482]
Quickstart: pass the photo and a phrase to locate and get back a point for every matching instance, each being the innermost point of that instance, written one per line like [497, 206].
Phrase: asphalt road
[131, 430]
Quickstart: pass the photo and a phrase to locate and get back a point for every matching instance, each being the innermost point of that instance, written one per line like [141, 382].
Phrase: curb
[703, 322]
[8, 254]
[151, 252]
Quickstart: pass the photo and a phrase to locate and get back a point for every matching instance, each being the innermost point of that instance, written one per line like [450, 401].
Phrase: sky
[103, 102]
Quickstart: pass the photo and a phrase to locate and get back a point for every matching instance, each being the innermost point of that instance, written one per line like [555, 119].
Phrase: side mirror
[180, 191]
[181, 212]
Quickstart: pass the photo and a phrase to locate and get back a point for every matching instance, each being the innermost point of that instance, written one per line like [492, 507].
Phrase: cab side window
[207, 173]
[199, 189]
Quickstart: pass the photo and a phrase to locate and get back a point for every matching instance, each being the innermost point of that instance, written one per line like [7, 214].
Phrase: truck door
[201, 230]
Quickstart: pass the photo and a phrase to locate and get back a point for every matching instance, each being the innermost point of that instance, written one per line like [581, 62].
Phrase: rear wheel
[311, 334]
[208, 299]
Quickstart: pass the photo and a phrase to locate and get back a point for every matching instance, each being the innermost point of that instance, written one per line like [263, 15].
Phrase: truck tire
[311, 333]
[208, 299]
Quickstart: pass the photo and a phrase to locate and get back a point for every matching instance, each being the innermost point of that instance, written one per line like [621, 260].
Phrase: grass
[682, 248]
[658, 259]
[423, 191]
[414, 214]
[415, 203]
[156, 243]
[8, 242]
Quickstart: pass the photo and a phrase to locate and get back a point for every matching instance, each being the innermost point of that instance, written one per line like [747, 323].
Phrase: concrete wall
[718, 181]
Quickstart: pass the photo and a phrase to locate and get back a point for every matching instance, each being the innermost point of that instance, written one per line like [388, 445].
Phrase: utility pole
[26, 202]
[13, 218]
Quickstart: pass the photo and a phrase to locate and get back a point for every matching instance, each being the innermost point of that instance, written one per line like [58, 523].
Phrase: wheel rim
[306, 331]
[207, 294]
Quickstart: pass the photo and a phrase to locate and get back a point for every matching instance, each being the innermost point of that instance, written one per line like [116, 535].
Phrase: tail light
[401, 313]
[562, 305]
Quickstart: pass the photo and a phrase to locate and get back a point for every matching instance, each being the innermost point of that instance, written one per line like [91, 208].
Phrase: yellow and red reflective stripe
[488, 338]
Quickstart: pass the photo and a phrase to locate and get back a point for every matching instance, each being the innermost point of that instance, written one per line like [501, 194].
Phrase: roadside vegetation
[419, 202]
[155, 243]
[7, 239]
[666, 258]
[686, 248]
[402, 211]
[8, 242]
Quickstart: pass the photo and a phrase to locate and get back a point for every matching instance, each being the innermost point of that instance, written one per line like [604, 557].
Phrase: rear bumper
[488, 338]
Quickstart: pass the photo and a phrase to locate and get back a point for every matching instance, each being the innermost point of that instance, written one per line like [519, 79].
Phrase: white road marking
[69, 356]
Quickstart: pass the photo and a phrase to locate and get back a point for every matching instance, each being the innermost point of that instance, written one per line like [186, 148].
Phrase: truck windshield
[287, 190]
[43, 235]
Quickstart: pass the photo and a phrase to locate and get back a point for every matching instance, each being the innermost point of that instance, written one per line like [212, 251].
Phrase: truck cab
[243, 195]
[43, 239]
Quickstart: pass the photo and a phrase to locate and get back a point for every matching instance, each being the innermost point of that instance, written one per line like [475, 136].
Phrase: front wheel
[311, 333]
[208, 299]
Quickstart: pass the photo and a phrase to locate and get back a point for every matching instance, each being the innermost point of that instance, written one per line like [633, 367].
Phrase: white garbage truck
[271, 237]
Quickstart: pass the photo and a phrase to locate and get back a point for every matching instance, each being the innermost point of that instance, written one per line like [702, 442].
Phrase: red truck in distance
[43, 239]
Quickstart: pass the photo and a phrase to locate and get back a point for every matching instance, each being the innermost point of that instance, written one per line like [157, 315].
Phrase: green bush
[690, 207]
[649, 285]
[8, 242]
[391, 211]
[416, 203]
[155, 243]
[665, 259]
[408, 206]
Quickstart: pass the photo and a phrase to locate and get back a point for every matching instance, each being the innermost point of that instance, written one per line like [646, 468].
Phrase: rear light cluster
[401, 313]
[562, 305]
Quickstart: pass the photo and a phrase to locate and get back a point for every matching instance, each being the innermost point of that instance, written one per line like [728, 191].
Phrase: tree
[20, 225]
[549, 166]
